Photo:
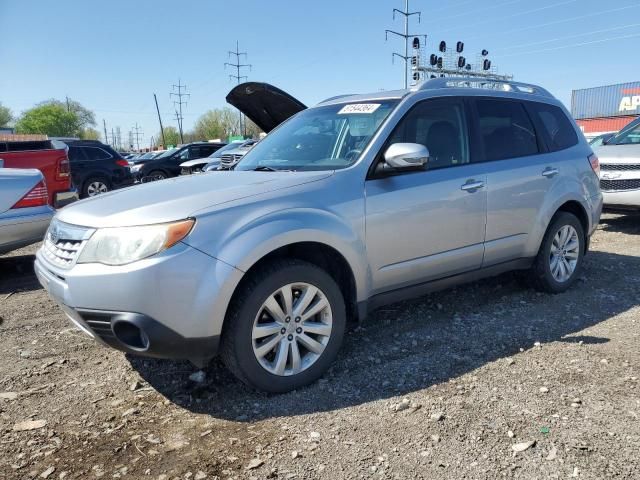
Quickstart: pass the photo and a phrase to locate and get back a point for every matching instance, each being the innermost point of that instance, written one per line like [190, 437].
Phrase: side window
[76, 154]
[3, 147]
[505, 129]
[95, 153]
[557, 127]
[184, 155]
[440, 126]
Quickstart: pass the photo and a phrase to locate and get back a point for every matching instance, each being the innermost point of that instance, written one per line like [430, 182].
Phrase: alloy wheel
[292, 329]
[565, 252]
[96, 188]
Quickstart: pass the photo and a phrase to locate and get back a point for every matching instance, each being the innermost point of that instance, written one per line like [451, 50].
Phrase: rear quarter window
[95, 153]
[556, 127]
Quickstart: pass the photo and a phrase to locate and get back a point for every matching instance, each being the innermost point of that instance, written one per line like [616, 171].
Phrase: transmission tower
[405, 36]
[179, 93]
[237, 65]
[137, 133]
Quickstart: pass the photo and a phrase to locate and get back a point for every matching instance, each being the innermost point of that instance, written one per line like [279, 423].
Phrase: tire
[94, 186]
[241, 352]
[544, 276]
[157, 175]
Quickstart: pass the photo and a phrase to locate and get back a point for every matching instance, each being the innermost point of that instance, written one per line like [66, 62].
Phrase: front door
[427, 224]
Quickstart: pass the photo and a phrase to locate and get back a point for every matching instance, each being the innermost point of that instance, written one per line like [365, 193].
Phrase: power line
[406, 13]
[238, 77]
[561, 47]
[137, 133]
[179, 94]
[577, 35]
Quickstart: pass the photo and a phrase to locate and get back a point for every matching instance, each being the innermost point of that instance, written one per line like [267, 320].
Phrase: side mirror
[406, 155]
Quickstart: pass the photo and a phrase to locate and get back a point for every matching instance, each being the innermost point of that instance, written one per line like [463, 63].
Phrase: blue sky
[113, 55]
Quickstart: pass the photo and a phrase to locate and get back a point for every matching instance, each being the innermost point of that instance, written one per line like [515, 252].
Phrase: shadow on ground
[412, 345]
[628, 223]
[17, 275]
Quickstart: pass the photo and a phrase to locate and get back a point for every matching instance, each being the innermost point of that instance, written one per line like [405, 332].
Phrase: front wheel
[285, 326]
[559, 259]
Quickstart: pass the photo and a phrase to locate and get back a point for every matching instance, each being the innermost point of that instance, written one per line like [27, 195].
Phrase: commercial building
[605, 109]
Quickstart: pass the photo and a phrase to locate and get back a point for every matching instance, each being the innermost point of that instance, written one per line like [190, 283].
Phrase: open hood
[267, 106]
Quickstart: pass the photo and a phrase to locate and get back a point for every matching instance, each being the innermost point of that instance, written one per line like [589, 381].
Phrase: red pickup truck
[37, 151]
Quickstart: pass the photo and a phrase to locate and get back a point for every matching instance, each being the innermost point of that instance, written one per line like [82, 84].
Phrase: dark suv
[97, 168]
[168, 164]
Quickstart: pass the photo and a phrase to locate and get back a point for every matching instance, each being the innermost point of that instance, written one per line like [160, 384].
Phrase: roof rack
[490, 84]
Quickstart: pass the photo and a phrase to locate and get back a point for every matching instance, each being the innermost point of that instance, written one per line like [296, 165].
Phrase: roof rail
[344, 95]
[490, 84]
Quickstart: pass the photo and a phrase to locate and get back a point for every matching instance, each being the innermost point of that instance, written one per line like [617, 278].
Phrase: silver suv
[357, 202]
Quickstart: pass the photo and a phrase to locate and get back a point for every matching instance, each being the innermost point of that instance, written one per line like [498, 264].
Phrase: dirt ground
[488, 380]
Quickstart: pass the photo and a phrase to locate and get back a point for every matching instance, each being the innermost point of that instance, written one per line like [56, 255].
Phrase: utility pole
[179, 120]
[106, 137]
[179, 94]
[237, 65]
[164, 144]
[137, 134]
[113, 138]
[68, 105]
[406, 13]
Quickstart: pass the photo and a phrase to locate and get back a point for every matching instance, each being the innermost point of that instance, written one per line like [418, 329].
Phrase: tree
[217, 123]
[171, 136]
[5, 116]
[90, 134]
[49, 119]
[251, 129]
[86, 117]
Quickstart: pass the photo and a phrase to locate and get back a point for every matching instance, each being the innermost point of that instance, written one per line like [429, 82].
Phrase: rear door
[521, 170]
[427, 224]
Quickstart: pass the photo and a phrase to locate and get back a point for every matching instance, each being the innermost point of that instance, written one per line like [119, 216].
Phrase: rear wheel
[95, 186]
[285, 327]
[157, 175]
[559, 259]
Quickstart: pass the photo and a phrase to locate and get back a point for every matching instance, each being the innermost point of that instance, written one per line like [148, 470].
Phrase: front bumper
[622, 199]
[171, 305]
[62, 199]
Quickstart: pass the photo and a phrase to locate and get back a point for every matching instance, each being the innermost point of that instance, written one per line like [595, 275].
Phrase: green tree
[216, 123]
[5, 116]
[90, 134]
[171, 136]
[86, 117]
[49, 119]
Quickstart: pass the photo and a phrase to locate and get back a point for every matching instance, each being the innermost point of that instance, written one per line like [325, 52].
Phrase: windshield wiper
[265, 168]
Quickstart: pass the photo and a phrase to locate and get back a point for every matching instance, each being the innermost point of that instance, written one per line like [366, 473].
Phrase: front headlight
[119, 246]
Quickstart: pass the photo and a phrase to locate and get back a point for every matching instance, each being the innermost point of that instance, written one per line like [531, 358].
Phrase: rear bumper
[24, 227]
[61, 199]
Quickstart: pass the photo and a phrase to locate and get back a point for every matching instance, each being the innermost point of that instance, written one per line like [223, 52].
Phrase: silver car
[24, 210]
[355, 203]
[620, 168]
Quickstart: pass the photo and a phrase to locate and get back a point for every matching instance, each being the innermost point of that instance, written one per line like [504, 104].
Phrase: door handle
[549, 172]
[471, 186]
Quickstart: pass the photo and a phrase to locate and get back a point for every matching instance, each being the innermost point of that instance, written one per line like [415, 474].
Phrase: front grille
[62, 253]
[229, 160]
[62, 243]
[617, 185]
[620, 166]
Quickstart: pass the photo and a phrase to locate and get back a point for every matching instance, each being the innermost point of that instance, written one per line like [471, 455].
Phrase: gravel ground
[487, 380]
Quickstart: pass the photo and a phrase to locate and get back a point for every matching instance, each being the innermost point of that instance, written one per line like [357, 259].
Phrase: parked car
[360, 201]
[230, 158]
[198, 165]
[167, 165]
[600, 139]
[97, 168]
[48, 157]
[620, 168]
[25, 212]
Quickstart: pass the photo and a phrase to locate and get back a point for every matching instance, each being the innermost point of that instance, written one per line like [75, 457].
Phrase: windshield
[321, 138]
[628, 135]
[167, 153]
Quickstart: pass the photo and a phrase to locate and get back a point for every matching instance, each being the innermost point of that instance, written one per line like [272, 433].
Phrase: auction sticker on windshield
[359, 108]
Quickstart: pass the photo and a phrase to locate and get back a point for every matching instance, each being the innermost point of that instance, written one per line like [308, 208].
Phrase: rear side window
[95, 153]
[76, 154]
[26, 146]
[505, 129]
[557, 127]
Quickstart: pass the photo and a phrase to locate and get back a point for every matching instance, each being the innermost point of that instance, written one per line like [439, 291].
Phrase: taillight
[122, 163]
[595, 163]
[36, 197]
[63, 170]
